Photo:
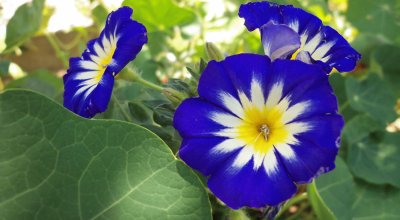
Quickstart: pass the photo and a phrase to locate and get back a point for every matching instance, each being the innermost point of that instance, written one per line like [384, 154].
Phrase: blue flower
[288, 32]
[259, 128]
[90, 78]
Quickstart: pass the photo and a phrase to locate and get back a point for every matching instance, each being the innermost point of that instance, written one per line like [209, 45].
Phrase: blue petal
[89, 80]
[249, 187]
[233, 75]
[317, 149]
[197, 153]
[279, 41]
[297, 77]
[256, 14]
[192, 118]
[131, 37]
[249, 184]
[88, 104]
[326, 47]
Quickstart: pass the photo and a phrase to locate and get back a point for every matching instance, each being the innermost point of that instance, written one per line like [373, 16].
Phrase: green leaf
[380, 18]
[4, 66]
[386, 57]
[336, 190]
[360, 127]
[160, 14]
[126, 92]
[319, 207]
[337, 82]
[24, 24]
[372, 96]
[332, 194]
[164, 114]
[377, 161]
[139, 112]
[56, 165]
[376, 202]
[41, 81]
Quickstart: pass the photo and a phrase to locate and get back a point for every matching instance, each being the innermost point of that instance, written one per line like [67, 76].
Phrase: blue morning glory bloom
[259, 128]
[292, 33]
[90, 78]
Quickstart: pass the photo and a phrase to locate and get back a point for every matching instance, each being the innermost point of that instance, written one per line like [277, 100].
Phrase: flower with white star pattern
[258, 128]
[292, 33]
[90, 79]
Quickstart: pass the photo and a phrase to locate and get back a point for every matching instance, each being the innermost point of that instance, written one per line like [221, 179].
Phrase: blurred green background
[37, 38]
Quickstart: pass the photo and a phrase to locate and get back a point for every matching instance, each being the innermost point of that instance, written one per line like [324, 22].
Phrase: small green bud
[213, 52]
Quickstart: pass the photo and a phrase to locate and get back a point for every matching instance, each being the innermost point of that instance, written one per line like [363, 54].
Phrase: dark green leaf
[131, 92]
[376, 202]
[377, 161]
[360, 127]
[41, 81]
[336, 190]
[160, 14]
[380, 18]
[4, 67]
[337, 82]
[163, 115]
[387, 58]
[56, 165]
[372, 96]
[139, 112]
[24, 24]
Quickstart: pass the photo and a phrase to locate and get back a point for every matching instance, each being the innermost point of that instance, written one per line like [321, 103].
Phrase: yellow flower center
[262, 128]
[104, 62]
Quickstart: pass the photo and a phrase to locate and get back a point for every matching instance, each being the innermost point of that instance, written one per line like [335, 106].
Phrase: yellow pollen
[104, 62]
[262, 128]
[294, 55]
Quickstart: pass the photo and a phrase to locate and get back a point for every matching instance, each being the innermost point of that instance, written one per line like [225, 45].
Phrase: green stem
[344, 106]
[60, 54]
[126, 115]
[149, 84]
[131, 75]
[294, 200]
[298, 212]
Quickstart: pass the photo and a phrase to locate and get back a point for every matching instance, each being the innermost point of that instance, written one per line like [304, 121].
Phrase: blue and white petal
[90, 78]
[259, 128]
[318, 43]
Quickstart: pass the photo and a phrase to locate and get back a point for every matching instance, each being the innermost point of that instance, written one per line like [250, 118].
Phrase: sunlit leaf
[160, 14]
[56, 165]
[24, 24]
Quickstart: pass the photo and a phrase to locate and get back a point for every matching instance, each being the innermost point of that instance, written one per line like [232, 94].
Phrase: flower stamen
[264, 130]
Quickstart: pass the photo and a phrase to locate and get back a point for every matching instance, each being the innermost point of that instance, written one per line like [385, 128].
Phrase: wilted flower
[90, 79]
[259, 128]
[292, 33]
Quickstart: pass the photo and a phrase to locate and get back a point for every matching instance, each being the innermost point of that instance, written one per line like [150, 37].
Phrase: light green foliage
[56, 165]
[24, 24]
[160, 14]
